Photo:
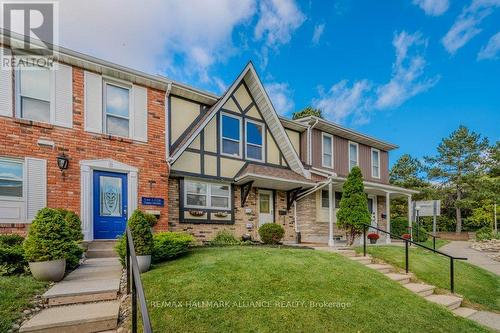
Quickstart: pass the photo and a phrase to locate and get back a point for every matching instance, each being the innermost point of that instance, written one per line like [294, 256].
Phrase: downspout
[309, 141]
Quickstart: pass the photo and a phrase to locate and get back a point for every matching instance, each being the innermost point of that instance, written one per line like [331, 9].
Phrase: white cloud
[280, 96]
[490, 50]
[466, 26]
[318, 32]
[433, 7]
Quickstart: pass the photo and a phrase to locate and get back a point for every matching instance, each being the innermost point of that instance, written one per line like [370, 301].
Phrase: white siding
[5, 90]
[139, 119]
[64, 96]
[36, 183]
[93, 102]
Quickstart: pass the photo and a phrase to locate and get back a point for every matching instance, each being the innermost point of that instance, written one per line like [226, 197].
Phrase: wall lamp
[62, 161]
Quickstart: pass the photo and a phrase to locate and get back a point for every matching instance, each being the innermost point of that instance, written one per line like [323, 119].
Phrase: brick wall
[18, 138]
[207, 231]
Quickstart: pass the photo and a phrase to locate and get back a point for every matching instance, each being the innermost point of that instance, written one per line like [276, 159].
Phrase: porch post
[410, 215]
[388, 216]
[331, 242]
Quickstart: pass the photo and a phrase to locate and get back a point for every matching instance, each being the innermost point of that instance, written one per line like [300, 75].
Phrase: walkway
[481, 259]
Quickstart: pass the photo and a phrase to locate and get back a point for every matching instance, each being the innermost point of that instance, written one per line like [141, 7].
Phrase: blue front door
[110, 204]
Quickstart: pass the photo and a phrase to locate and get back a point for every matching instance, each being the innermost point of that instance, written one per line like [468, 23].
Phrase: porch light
[62, 161]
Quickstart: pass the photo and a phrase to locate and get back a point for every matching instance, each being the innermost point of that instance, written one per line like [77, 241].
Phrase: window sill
[33, 123]
[117, 138]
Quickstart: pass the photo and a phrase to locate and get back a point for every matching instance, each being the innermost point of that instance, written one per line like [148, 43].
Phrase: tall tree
[458, 162]
[307, 111]
[353, 212]
[407, 173]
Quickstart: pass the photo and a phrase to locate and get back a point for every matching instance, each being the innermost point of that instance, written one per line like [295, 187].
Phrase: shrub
[141, 235]
[373, 236]
[485, 233]
[12, 255]
[271, 233]
[168, 245]
[152, 220]
[421, 236]
[75, 227]
[49, 237]
[399, 226]
[224, 238]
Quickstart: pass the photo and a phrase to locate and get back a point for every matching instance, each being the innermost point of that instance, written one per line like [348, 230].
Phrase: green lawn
[16, 292]
[478, 286]
[261, 289]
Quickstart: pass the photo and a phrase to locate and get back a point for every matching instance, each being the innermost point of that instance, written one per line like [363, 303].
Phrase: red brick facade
[18, 138]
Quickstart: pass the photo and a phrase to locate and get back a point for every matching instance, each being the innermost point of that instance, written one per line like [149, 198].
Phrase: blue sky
[406, 71]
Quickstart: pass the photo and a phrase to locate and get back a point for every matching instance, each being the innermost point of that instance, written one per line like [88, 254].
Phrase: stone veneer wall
[207, 231]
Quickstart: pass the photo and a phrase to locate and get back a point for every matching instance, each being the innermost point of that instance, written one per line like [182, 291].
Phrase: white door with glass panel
[266, 212]
[372, 208]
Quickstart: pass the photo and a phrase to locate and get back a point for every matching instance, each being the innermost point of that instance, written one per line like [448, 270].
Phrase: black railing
[407, 259]
[134, 284]
[417, 233]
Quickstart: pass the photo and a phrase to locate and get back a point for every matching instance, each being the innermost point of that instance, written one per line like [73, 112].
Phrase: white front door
[372, 208]
[266, 212]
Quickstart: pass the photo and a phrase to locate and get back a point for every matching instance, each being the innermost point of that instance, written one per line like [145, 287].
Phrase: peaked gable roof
[249, 75]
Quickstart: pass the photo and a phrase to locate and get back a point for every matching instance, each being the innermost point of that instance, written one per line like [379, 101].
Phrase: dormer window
[230, 135]
[254, 140]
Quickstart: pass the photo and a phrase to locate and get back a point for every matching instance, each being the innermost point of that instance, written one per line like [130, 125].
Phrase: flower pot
[373, 241]
[144, 263]
[52, 270]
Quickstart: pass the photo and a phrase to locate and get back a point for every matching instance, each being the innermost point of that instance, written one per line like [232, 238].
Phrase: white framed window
[327, 150]
[353, 155]
[375, 157]
[116, 109]
[11, 179]
[34, 94]
[254, 148]
[325, 199]
[230, 132]
[199, 194]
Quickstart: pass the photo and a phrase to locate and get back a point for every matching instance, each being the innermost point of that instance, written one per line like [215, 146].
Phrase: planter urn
[52, 270]
[373, 241]
[144, 263]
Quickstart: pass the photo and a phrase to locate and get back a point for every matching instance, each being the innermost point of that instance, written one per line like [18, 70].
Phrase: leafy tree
[459, 161]
[406, 172]
[308, 111]
[353, 212]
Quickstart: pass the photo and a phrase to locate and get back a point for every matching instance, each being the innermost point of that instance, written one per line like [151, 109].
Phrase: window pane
[111, 196]
[325, 202]
[220, 202]
[117, 101]
[35, 83]
[327, 144]
[196, 200]
[370, 205]
[375, 158]
[11, 188]
[117, 126]
[220, 190]
[264, 206]
[11, 170]
[230, 147]
[254, 133]
[230, 128]
[353, 152]
[375, 171]
[34, 109]
[338, 197]
[254, 152]
[198, 188]
[327, 160]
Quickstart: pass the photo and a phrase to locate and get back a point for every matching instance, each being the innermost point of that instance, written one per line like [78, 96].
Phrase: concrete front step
[81, 318]
[449, 301]
[102, 245]
[401, 278]
[111, 253]
[464, 312]
[363, 260]
[380, 267]
[420, 288]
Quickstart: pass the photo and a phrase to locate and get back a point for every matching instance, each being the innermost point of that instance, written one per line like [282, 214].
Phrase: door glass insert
[264, 204]
[111, 196]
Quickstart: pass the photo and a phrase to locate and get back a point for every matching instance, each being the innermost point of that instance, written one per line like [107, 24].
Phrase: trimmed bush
[224, 238]
[12, 255]
[271, 233]
[373, 236]
[168, 245]
[49, 237]
[75, 227]
[422, 234]
[152, 220]
[141, 234]
[399, 226]
[485, 233]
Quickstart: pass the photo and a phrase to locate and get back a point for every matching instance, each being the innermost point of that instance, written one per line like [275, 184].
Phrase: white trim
[271, 206]
[86, 184]
[273, 178]
[349, 154]
[378, 162]
[375, 209]
[240, 141]
[262, 146]
[119, 84]
[323, 135]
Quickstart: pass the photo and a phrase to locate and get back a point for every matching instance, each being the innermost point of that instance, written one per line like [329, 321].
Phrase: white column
[409, 214]
[331, 242]
[388, 216]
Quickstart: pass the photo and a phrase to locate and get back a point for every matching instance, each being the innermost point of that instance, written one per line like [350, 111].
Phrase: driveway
[463, 249]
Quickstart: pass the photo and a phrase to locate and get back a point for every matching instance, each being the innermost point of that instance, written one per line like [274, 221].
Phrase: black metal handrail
[407, 243]
[134, 276]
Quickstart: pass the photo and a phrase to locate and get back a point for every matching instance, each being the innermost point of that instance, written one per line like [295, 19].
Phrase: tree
[406, 172]
[308, 111]
[459, 161]
[353, 212]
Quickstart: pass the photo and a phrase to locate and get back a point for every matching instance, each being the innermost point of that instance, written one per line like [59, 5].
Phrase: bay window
[327, 150]
[254, 140]
[353, 155]
[34, 94]
[375, 163]
[117, 109]
[199, 194]
[230, 135]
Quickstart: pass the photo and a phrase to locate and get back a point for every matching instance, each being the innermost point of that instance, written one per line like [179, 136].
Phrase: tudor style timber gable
[197, 133]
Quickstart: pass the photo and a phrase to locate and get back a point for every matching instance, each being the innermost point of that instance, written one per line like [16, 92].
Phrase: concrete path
[478, 258]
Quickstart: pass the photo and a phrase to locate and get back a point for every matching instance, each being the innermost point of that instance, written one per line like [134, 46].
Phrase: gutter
[309, 141]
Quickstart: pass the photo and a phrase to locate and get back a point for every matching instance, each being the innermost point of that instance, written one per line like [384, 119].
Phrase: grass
[479, 287]
[262, 289]
[16, 292]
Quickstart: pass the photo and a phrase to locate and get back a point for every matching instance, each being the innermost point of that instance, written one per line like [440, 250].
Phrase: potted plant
[140, 228]
[406, 236]
[49, 240]
[373, 237]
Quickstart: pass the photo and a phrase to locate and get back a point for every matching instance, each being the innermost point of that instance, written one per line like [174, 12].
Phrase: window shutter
[64, 96]
[6, 108]
[36, 185]
[140, 116]
[93, 102]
